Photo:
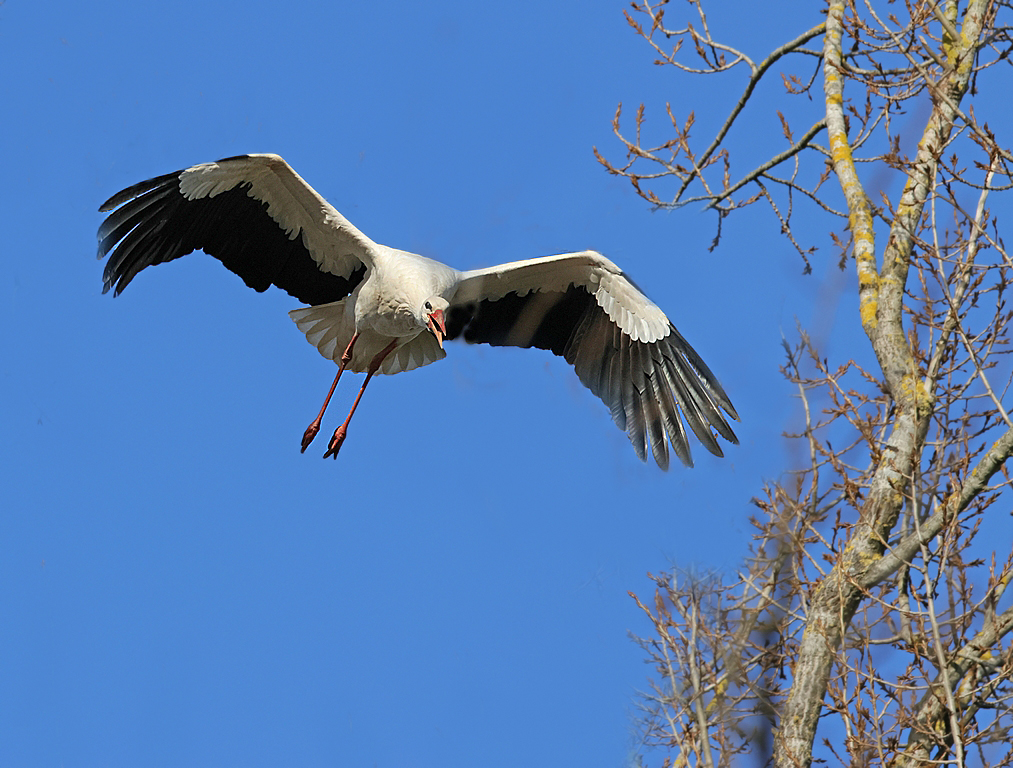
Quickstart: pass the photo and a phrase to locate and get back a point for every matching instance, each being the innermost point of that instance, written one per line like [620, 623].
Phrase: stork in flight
[377, 309]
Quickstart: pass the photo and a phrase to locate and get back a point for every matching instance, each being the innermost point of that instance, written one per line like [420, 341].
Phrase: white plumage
[377, 309]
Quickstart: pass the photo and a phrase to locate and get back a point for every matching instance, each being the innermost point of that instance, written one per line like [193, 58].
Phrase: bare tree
[869, 623]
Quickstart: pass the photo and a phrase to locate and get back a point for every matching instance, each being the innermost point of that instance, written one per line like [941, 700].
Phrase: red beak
[437, 326]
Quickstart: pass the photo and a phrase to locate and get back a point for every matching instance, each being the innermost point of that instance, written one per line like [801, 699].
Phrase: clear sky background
[180, 586]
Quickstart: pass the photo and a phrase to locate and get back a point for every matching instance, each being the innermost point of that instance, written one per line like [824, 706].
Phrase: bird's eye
[429, 305]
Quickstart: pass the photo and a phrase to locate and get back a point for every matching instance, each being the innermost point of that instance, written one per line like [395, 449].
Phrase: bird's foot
[335, 445]
[308, 435]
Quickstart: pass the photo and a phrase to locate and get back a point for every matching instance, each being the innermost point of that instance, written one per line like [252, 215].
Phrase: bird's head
[433, 316]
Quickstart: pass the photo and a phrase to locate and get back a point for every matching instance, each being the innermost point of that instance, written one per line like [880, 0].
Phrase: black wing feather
[153, 223]
[543, 319]
[645, 385]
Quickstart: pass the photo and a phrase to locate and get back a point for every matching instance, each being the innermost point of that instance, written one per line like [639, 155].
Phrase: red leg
[312, 429]
[339, 434]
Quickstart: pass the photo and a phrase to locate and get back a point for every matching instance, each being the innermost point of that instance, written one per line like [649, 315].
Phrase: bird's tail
[325, 327]
[329, 329]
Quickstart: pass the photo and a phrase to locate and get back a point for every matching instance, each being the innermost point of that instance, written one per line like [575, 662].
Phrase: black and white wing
[624, 349]
[252, 212]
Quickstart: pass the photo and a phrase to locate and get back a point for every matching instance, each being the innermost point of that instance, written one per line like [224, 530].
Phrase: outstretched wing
[625, 350]
[252, 212]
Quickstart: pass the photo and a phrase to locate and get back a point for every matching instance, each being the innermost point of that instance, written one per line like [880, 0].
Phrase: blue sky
[180, 585]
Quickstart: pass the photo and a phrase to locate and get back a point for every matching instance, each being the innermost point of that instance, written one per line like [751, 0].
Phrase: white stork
[382, 310]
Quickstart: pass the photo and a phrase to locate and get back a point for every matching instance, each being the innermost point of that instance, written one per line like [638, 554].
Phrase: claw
[336, 440]
[308, 435]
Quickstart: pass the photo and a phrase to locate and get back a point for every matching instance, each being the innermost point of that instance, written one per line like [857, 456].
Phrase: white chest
[397, 285]
[381, 307]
